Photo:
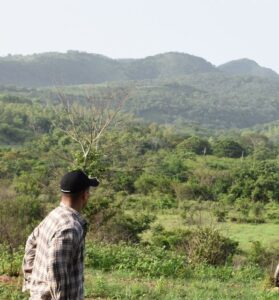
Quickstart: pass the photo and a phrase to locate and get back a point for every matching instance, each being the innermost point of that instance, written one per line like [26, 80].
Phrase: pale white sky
[217, 30]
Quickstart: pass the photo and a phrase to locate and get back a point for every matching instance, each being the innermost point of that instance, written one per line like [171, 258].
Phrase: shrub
[124, 227]
[108, 222]
[19, 214]
[196, 145]
[148, 183]
[248, 212]
[258, 181]
[153, 201]
[204, 245]
[10, 262]
[169, 239]
[163, 201]
[257, 254]
[208, 246]
[228, 148]
[195, 190]
[220, 214]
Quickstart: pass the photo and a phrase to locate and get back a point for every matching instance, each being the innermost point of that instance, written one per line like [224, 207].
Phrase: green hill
[75, 67]
[50, 69]
[247, 67]
[167, 65]
[171, 88]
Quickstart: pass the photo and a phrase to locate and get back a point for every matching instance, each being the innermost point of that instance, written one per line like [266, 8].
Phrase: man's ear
[85, 194]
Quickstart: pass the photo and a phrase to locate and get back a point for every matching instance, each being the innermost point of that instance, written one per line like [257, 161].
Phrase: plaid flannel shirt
[54, 253]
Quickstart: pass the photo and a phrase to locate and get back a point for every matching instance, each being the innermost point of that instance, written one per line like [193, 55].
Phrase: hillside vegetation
[182, 211]
[171, 88]
[211, 100]
[73, 67]
[177, 215]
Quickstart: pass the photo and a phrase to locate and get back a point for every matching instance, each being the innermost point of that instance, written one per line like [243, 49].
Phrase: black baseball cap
[77, 181]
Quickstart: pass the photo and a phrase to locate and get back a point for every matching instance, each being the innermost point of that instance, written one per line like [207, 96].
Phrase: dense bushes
[228, 148]
[10, 262]
[196, 145]
[110, 223]
[145, 260]
[203, 245]
[258, 181]
[124, 227]
[19, 215]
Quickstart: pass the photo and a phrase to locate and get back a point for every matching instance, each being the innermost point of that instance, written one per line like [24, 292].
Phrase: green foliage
[10, 261]
[21, 119]
[228, 148]
[148, 183]
[203, 245]
[169, 239]
[96, 163]
[195, 144]
[124, 227]
[19, 214]
[258, 254]
[208, 246]
[108, 222]
[258, 181]
[186, 89]
[148, 261]
[155, 201]
[193, 190]
[220, 214]
[11, 293]
[248, 212]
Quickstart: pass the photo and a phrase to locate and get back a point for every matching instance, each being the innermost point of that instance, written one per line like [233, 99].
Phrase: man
[53, 260]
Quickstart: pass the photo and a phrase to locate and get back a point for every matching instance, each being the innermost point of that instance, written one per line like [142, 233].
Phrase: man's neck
[67, 202]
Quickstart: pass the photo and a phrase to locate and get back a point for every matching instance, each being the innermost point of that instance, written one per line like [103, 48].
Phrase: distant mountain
[50, 69]
[167, 65]
[247, 67]
[73, 67]
[173, 88]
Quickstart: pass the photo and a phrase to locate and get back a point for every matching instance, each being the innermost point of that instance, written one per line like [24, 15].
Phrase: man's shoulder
[63, 216]
[60, 219]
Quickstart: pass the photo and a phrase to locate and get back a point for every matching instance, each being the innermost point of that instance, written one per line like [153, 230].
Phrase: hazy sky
[217, 30]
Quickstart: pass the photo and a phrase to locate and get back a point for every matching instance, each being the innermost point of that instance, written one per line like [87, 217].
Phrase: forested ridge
[170, 88]
[214, 101]
[74, 67]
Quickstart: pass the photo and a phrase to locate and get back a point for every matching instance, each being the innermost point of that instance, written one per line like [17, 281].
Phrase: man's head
[75, 187]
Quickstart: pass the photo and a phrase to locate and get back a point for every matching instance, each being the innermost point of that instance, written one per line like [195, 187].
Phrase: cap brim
[94, 182]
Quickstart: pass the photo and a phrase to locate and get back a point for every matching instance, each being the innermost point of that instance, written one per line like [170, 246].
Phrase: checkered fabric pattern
[54, 253]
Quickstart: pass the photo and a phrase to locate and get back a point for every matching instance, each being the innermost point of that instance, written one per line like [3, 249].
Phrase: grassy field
[245, 234]
[204, 283]
[244, 282]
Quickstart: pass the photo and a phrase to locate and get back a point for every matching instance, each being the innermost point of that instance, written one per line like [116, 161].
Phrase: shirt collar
[76, 213]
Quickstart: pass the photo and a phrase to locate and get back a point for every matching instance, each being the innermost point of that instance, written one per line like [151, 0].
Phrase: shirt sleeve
[28, 260]
[61, 252]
